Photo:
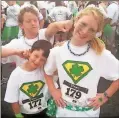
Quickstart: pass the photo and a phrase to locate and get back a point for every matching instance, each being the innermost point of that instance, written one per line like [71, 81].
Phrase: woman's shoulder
[105, 52]
[107, 55]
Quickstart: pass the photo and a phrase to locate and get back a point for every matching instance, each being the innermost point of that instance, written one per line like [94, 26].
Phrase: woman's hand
[57, 96]
[97, 101]
[61, 26]
[64, 26]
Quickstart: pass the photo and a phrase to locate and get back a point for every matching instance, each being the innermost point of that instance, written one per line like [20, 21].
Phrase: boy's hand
[64, 26]
[97, 101]
[19, 115]
[57, 96]
[22, 53]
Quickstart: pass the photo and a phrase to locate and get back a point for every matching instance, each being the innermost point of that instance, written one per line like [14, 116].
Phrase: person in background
[11, 28]
[42, 6]
[60, 13]
[72, 5]
[3, 19]
[113, 12]
[50, 5]
[81, 5]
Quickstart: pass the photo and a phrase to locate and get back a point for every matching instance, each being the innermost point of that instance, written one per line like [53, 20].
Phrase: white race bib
[74, 94]
[34, 105]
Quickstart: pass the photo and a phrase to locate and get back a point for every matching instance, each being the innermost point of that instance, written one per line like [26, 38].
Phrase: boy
[26, 88]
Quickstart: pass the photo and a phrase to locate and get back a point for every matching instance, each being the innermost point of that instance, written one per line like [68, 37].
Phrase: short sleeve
[12, 90]
[13, 45]
[109, 66]
[50, 66]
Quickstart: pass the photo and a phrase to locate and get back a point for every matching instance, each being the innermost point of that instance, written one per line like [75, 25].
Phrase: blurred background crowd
[51, 11]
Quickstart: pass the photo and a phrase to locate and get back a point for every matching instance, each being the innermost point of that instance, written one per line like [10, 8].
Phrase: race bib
[35, 104]
[74, 94]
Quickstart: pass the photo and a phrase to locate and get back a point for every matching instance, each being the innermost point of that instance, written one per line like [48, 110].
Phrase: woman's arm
[113, 88]
[102, 98]
[55, 27]
[56, 93]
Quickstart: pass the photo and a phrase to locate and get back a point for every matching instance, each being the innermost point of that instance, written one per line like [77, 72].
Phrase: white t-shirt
[60, 13]
[50, 6]
[12, 15]
[23, 44]
[41, 4]
[113, 12]
[29, 89]
[80, 74]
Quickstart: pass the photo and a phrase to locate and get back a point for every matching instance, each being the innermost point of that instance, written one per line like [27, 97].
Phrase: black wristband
[106, 95]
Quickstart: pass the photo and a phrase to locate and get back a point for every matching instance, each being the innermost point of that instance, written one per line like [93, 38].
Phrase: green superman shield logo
[76, 69]
[32, 89]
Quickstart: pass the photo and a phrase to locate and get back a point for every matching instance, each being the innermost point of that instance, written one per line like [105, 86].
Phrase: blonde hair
[31, 8]
[95, 43]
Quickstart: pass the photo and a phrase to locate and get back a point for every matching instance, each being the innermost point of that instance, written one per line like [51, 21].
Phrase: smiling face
[36, 59]
[85, 28]
[87, 24]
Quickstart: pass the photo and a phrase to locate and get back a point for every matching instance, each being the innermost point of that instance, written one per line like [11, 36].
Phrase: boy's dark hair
[42, 45]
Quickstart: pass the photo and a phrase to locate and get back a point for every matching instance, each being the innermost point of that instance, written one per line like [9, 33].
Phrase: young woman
[80, 63]
[28, 20]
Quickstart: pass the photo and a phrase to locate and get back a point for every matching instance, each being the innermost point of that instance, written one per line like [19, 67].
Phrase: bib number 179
[73, 93]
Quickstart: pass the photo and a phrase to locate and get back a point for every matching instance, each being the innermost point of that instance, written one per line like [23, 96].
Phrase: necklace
[75, 53]
[29, 44]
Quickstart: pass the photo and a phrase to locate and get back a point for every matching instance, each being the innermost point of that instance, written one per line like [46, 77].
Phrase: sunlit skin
[30, 24]
[36, 60]
[85, 30]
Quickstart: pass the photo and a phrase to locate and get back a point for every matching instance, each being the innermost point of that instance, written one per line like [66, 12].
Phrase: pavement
[109, 109]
